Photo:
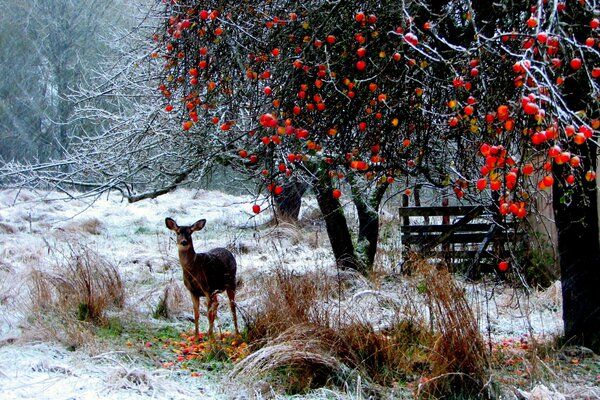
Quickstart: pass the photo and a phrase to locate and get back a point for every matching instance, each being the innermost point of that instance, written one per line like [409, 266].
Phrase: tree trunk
[367, 207]
[289, 202]
[368, 233]
[337, 226]
[579, 255]
[576, 218]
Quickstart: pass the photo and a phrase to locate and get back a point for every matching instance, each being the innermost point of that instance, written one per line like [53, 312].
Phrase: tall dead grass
[79, 288]
[308, 335]
[307, 338]
[459, 362]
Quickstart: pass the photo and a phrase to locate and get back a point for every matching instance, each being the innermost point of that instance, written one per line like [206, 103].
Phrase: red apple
[411, 38]
[579, 138]
[542, 37]
[589, 42]
[527, 169]
[590, 176]
[503, 266]
[481, 183]
[575, 63]
[548, 180]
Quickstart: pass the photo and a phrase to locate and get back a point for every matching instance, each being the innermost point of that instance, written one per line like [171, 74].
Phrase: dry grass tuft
[398, 354]
[308, 338]
[131, 379]
[79, 289]
[171, 302]
[299, 359]
[283, 231]
[459, 359]
[287, 299]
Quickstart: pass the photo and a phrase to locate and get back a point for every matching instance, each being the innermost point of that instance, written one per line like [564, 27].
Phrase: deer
[205, 274]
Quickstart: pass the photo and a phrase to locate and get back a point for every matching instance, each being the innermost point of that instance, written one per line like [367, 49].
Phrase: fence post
[446, 221]
[406, 218]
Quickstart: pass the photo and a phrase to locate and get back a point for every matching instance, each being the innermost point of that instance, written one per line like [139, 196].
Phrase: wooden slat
[459, 254]
[445, 236]
[437, 211]
[432, 240]
[413, 229]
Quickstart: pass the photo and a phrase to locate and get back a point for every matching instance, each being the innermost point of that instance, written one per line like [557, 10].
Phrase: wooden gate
[457, 235]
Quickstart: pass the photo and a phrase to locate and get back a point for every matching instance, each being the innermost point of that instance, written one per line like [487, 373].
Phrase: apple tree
[495, 99]
[332, 97]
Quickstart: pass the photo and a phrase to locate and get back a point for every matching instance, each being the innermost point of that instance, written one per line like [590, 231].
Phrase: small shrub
[111, 328]
[287, 299]
[80, 287]
[92, 226]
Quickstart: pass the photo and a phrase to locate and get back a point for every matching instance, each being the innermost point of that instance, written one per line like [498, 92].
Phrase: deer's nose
[184, 242]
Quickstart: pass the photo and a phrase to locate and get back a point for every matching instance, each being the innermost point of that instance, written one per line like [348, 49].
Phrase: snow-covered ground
[34, 226]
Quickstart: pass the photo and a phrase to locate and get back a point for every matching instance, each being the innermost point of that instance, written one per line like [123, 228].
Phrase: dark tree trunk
[337, 227]
[367, 209]
[576, 217]
[289, 202]
[417, 197]
[368, 232]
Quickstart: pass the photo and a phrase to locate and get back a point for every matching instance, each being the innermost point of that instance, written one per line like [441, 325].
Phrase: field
[92, 305]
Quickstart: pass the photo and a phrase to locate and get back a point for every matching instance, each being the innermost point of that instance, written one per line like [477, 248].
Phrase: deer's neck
[187, 257]
[194, 277]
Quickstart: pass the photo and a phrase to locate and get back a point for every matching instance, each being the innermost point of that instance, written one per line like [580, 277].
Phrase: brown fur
[205, 274]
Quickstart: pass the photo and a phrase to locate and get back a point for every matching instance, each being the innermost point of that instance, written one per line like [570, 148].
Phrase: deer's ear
[198, 225]
[171, 224]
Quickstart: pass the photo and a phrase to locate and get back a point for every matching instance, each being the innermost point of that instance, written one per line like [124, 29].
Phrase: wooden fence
[464, 235]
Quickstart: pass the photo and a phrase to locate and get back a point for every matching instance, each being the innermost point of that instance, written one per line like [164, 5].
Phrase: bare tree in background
[47, 48]
[119, 136]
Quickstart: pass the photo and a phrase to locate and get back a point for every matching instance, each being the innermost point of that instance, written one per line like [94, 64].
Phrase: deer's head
[184, 233]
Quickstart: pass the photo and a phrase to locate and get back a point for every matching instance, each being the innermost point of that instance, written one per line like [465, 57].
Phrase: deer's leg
[231, 295]
[196, 302]
[212, 306]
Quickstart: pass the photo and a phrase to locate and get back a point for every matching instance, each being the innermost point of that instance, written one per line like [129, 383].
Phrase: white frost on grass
[34, 226]
[45, 371]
